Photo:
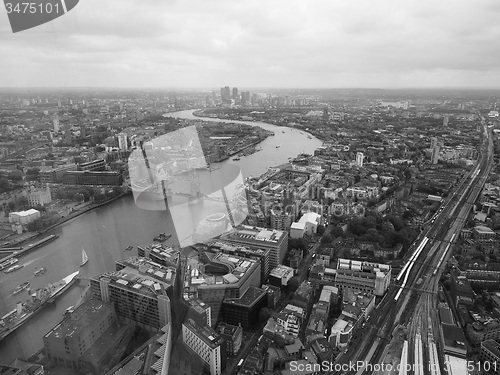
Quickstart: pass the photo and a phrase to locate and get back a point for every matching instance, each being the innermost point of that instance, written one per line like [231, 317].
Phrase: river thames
[105, 232]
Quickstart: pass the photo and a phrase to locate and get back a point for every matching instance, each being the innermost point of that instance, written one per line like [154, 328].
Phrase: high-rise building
[207, 344]
[359, 159]
[435, 155]
[235, 92]
[55, 121]
[434, 142]
[225, 94]
[245, 97]
[122, 141]
[446, 119]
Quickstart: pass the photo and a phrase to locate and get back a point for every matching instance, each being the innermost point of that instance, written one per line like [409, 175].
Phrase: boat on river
[21, 287]
[85, 258]
[13, 268]
[39, 271]
[162, 237]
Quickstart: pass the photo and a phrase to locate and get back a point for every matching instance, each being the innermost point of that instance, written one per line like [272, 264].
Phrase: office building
[245, 309]
[206, 344]
[235, 92]
[85, 339]
[261, 255]
[225, 94]
[281, 275]
[359, 159]
[363, 276]
[490, 356]
[435, 155]
[138, 291]
[55, 122]
[95, 165]
[54, 175]
[159, 253]
[233, 336]
[199, 311]
[122, 141]
[92, 178]
[434, 142]
[260, 238]
[218, 276]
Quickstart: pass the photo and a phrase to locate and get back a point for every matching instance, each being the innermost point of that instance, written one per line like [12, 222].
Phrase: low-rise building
[24, 217]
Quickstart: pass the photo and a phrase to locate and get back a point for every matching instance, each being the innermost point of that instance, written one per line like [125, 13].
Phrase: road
[415, 302]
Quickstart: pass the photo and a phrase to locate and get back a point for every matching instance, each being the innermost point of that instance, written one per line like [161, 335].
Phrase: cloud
[327, 43]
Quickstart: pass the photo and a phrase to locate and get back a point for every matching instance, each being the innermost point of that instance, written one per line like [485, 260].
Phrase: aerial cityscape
[226, 188]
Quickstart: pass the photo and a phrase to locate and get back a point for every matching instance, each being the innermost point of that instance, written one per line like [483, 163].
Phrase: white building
[122, 141]
[359, 159]
[308, 224]
[207, 344]
[24, 217]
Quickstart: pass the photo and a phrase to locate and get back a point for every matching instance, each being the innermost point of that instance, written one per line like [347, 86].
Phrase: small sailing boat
[85, 258]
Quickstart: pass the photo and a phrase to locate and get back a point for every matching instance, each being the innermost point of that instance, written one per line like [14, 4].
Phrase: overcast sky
[254, 43]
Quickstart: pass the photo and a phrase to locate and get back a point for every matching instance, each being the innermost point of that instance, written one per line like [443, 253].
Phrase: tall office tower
[245, 97]
[122, 141]
[68, 136]
[254, 99]
[225, 94]
[207, 344]
[446, 118]
[59, 103]
[235, 92]
[434, 142]
[435, 155]
[55, 121]
[359, 159]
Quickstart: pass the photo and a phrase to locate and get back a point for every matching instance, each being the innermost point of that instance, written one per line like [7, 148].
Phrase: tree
[15, 175]
[320, 230]
[4, 184]
[326, 239]
[265, 314]
[293, 284]
[337, 231]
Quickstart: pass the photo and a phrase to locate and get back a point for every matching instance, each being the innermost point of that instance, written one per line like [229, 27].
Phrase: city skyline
[286, 45]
